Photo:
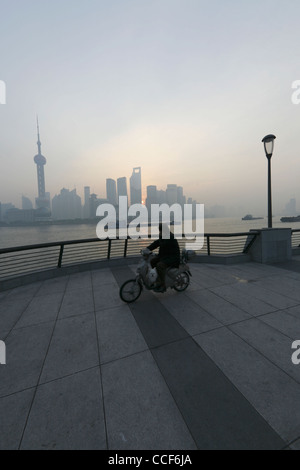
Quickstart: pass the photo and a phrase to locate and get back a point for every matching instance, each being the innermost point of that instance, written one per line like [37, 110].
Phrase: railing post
[109, 248]
[61, 251]
[208, 245]
[247, 247]
[125, 248]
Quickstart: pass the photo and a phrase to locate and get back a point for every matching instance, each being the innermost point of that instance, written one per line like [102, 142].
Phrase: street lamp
[268, 141]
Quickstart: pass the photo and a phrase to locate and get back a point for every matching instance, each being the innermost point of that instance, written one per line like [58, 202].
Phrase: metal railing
[295, 238]
[22, 260]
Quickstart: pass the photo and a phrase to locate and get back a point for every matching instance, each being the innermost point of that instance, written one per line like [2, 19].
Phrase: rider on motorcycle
[168, 255]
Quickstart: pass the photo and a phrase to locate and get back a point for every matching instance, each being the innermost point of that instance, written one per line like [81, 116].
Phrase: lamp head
[268, 141]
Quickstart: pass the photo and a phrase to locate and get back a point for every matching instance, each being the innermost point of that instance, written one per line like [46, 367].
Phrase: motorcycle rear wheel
[182, 281]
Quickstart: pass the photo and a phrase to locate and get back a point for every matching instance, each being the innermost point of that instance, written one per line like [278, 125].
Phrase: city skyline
[114, 188]
[185, 90]
[68, 204]
[218, 210]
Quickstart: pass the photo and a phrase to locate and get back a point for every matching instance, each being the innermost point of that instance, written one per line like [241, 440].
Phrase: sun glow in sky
[186, 89]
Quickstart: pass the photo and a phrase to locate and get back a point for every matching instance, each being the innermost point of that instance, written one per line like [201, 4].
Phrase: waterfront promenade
[209, 368]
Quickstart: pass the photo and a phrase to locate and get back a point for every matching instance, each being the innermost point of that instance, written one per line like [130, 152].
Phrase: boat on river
[250, 217]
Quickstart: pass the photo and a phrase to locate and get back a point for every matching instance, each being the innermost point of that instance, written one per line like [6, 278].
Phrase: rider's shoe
[159, 289]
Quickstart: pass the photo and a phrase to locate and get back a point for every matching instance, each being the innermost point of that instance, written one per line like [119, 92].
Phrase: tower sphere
[40, 160]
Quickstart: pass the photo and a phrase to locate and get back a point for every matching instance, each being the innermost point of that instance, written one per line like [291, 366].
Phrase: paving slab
[201, 280]
[294, 311]
[4, 294]
[73, 347]
[51, 286]
[295, 445]
[271, 391]
[101, 277]
[285, 322]
[271, 343]
[107, 296]
[119, 335]
[155, 322]
[41, 312]
[282, 285]
[140, 411]
[14, 410]
[214, 410]
[79, 281]
[67, 414]
[222, 310]
[11, 311]
[27, 291]
[252, 271]
[274, 299]
[3, 335]
[216, 272]
[244, 301]
[25, 353]
[189, 314]
[77, 302]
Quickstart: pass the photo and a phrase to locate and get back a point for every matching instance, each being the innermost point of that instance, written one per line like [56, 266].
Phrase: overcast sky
[186, 89]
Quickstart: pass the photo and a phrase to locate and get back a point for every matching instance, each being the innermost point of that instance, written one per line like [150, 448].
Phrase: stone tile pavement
[209, 368]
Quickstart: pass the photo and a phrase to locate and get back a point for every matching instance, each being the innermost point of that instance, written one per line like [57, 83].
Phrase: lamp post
[268, 141]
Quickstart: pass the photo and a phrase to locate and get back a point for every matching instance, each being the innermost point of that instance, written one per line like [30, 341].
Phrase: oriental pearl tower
[42, 201]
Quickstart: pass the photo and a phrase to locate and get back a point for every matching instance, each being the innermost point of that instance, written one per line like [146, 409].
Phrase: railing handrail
[48, 245]
[94, 240]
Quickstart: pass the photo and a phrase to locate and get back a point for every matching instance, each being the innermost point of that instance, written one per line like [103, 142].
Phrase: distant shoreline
[42, 223]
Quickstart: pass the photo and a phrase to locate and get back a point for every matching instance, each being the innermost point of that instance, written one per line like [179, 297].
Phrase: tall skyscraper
[161, 196]
[151, 196]
[26, 203]
[66, 205]
[42, 202]
[180, 196]
[136, 186]
[111, 191]
[122, 186]
[86, 207]
[171, 193]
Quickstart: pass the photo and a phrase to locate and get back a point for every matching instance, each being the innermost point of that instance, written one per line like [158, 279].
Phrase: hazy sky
[186, 89]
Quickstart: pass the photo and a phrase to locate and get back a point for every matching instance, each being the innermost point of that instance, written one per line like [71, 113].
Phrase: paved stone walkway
[209, 368]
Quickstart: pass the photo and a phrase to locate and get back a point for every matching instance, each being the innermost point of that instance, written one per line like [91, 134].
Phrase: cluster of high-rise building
[115, 189]
[173, 194]
[68, 205]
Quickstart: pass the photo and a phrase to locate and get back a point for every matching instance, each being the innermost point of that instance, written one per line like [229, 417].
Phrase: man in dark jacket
[168, 255]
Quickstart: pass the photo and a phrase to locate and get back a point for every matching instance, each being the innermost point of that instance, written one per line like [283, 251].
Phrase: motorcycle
[146, 276]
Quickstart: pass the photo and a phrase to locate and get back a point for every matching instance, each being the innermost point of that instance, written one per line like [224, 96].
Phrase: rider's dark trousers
[161, 268]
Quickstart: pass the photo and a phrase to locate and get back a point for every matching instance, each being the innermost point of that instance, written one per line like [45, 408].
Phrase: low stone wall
[272, 245]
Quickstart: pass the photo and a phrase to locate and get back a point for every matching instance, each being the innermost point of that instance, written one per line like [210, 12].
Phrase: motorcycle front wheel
[130, 291]
[182, 281]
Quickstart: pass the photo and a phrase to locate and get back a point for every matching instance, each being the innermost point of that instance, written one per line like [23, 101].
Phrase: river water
[20, 236]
